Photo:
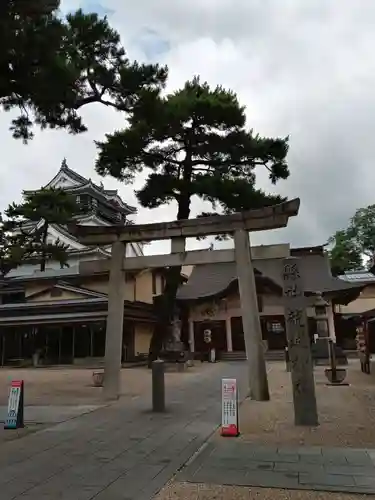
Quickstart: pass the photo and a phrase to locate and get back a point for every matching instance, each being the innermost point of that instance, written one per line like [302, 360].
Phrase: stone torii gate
[238, 225]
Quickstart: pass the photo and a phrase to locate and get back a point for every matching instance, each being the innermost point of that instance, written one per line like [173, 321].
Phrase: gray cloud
[302, 68]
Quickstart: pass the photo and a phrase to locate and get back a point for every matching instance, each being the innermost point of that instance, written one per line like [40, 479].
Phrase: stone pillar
[304, 400]
[191, 336]
[250, 318]
[228, 327]
[115, 321]
[331, 322]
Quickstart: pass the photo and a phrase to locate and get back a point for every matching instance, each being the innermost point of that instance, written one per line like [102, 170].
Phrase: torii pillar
[238, 225]
[257, 373]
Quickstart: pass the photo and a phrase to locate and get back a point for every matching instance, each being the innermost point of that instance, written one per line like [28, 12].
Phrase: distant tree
[50, 67]
[32, 219]
[356, 244]
[194, 142]
[344, 256]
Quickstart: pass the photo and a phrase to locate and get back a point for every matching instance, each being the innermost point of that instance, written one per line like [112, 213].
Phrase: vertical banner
[15, 415]
[229, 407]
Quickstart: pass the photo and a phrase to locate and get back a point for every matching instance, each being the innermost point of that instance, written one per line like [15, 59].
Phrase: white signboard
[14, 417]
[229, 407]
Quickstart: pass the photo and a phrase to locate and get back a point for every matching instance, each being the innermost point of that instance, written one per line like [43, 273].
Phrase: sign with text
[229, 407]
[299, 349]
[14, 418]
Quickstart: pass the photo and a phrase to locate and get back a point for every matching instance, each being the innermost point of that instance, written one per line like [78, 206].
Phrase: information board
[229, 407]
[14, 419]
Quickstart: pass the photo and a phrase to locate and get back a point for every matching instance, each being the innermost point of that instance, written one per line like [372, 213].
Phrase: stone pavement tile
[230, 446]
[67, 494]
[100, 477]
[324, 479]
[308, 450]
[129, 485]
[124, 462]
[364, 481]
[352, 470]
[195, 461]
[358, 457]
[271, 456]
[233, 463]
[324, 459]
[210, 475]
[273, 479]
[299, 450]
[256, 452]
[299, 467]
[12, 490]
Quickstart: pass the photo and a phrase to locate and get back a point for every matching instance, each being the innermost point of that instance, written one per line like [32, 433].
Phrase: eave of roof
[210, 280]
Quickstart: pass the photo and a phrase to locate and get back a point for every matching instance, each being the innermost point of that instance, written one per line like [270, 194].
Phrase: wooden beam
[252, 220]
[192, 258]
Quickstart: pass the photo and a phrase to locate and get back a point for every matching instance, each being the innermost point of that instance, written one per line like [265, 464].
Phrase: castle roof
[77, 184]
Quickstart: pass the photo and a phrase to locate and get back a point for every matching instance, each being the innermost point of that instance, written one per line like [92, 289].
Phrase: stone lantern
[321, 316]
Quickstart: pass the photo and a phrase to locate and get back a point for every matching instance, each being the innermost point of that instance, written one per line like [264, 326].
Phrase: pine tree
[194, 142]
[50, 67]
[33, 217]
[12, 247]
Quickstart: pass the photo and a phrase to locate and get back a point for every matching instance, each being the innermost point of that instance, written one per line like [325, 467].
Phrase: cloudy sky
[303, 68]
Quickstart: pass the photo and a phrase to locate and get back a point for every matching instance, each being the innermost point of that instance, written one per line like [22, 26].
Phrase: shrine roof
[210, 280]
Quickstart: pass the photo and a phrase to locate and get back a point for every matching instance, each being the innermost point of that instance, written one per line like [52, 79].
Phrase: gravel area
[73, 386]
[346, 414]
[184, 491]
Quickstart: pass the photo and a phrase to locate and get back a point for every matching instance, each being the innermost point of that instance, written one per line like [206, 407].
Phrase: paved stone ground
[231, 462]
[122, 451]
[50, 414]
[57, 394]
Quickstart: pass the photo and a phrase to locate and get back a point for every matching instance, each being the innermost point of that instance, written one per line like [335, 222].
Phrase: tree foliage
[356, 243]
[32, 219]
[344, 256]
[193, 143]
[12, 247]
[50, 67]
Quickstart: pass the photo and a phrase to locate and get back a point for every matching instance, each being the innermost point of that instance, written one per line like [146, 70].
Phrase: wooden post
[73, 343]
[115, 321]
[250, 318]
[3, 350]
[91, 341]
[59, 355]
[304, 400]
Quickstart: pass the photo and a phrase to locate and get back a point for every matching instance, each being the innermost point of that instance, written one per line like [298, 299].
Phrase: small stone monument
[174, 342]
